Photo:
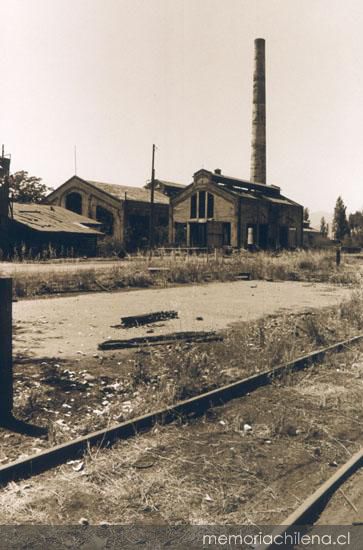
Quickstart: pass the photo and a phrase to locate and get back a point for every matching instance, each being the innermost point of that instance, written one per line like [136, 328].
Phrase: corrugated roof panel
[47, 218]
[255, 195]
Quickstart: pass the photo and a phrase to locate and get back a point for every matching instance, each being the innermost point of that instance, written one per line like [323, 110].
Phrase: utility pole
[151, 227]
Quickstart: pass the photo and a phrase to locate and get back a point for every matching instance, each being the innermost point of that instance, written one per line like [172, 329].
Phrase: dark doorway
[106, 218]
[74, 202]
[215, 234]
[137, 232]
[181, 234]
[198, 235]
[263, 235]
[226, 234]
[218, 234]
[284, 236]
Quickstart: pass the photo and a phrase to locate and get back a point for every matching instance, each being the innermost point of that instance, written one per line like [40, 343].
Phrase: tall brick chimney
[258, 157]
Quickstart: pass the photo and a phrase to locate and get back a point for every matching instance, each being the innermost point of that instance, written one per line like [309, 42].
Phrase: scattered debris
[244, 276]
[78, 467]
[348, 501]
[147, 318]
[89, 377]
[161, 339]
[101, 286]
[144, 462]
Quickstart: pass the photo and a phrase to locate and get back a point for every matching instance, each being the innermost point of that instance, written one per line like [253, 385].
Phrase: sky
[112, 77]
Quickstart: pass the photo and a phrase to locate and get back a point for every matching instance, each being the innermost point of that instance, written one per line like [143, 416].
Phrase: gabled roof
[121, 192]
[53, 219]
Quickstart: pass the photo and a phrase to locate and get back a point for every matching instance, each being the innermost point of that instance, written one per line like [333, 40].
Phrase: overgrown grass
[164, 376]
[303, 426]
[210, 471]
[317, 266]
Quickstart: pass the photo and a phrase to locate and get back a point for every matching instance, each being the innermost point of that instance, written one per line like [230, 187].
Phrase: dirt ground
[346, 506]
[73, 326]
[62, 381]
[252, 461]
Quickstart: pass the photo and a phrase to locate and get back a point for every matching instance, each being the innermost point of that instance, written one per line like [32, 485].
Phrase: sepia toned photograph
[181, 274]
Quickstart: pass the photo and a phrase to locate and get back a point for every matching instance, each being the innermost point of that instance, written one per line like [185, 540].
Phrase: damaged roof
[53, 219]
[121, 192]
[257, 195]
[247, 189]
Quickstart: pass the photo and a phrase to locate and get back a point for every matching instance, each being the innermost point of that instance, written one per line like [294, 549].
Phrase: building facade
[218, 210]
[123, 211]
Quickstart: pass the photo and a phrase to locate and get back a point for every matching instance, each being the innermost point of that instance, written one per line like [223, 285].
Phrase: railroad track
[308, 511]
[195, 406]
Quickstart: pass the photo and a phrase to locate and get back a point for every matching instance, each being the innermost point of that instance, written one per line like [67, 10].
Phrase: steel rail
[314, 504]
[59, 454]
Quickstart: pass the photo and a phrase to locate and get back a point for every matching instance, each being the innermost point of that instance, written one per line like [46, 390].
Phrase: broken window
[74, 202]
[210, 205]
[193, 206]
[201, 209]
[202, 205]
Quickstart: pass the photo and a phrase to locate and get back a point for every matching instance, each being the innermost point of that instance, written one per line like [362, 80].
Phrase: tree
[25, 188]
[356, 222]
[323, 227]
[306, 215]
[340, 222]
[356, 227]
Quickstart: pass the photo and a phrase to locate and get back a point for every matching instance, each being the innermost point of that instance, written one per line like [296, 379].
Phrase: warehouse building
[218, 210]
[39, 229]
[122, 210]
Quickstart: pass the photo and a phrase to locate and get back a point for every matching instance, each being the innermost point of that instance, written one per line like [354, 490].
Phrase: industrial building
[40, 229]
[215, 210]
[218, 210]
[122, 210]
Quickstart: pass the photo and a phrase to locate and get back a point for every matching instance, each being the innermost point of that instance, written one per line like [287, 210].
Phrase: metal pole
[6, 355]
[151, 228]
[338, 256]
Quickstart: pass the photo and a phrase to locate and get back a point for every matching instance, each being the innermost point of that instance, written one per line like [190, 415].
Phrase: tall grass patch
[317, 266]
